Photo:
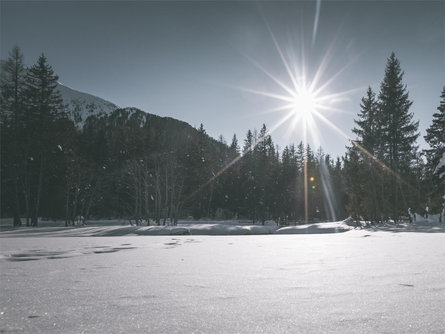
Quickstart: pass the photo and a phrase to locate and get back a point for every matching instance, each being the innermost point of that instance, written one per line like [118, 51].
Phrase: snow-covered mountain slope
[82, 105]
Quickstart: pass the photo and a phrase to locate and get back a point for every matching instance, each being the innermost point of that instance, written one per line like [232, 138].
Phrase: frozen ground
[360, 281]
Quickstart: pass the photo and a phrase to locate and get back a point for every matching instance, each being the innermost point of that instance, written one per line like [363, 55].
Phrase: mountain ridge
[81, 105]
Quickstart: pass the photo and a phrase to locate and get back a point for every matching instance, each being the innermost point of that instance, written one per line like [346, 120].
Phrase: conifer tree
[231, 180]
[12, 79]
[368, 133]
[234, 147]
[399, 133]
[353, 182]
[368, 130]
[44, 109]
[248, 175]
[435, 137]
[12, 106]
[287, 189]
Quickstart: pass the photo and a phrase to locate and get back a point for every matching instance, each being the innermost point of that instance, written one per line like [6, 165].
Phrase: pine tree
[43, 111]
[353, 179]
[368, 130]
[12, 79]
[231, 180]
[248, 175]
[43, 99]
[339, 189]
[11, 107]
[367, 144]
[435, 137]
[260, 168]
[399, 132]
[287, 189]
[300, 158]
[234, 147]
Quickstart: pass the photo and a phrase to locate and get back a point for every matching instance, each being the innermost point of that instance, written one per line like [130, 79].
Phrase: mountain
[82, 105]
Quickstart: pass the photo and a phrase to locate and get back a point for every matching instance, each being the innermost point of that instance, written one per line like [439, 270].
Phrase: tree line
[135, 165]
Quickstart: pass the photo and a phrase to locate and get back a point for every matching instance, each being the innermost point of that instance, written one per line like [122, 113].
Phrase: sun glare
[304, 104]
[303, 99]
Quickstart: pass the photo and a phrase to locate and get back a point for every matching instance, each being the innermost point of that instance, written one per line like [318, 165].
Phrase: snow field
[355, 282]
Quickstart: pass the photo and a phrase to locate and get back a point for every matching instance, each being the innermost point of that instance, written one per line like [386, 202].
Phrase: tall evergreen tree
[353, 182]
[12, 105]
[399, 132]
[368, 127]
[368, 131]
[44, 110]
[435, 137]
[12, 79]
[248, 174]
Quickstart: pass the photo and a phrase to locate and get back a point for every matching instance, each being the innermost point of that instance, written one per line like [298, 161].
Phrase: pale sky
[190, 59]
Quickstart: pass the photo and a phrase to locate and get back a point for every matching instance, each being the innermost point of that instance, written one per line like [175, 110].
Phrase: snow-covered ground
[121, 228]
[360, 281]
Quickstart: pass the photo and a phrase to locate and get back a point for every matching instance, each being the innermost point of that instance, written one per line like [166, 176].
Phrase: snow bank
[204, 229]
[224, 228]
[108, 231]
[334, 227]
[104, 228]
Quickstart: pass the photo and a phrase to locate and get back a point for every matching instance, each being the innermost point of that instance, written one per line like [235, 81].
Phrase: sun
[305, 98]
[304, 103]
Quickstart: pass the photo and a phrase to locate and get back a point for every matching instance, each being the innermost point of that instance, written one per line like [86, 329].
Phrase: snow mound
[334, 227]
[181, 229]
[204, 229]
[109, 231]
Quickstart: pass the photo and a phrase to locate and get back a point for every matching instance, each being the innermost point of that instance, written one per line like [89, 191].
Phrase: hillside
[81, 105]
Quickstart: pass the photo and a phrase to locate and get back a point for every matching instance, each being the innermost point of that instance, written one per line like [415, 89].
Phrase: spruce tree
[287, 189]
[248, 174]
[12, 79]
[435, 137]
[43, 111]
[367, 144]
[234, 147]
[368, 127]
[11, 107]
[399, 133]
[353, 179]
[232, 179]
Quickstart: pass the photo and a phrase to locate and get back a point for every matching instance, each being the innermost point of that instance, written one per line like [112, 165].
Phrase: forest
[134, 165]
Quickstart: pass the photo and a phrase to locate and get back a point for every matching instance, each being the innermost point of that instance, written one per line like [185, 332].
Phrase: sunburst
[304, 101]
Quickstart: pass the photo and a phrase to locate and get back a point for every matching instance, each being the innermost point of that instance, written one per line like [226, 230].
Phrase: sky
[223, 63]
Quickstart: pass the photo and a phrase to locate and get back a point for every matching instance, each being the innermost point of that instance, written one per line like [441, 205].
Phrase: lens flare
[305, 103]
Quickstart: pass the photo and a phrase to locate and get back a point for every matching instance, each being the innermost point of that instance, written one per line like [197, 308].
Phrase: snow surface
[117, 228]
[333, 227]
[82, 105]
[361, 281]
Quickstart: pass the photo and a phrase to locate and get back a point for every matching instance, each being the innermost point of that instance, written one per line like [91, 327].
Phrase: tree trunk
[26, 191]
[35, 214]
[67, 203]
[17, 220]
